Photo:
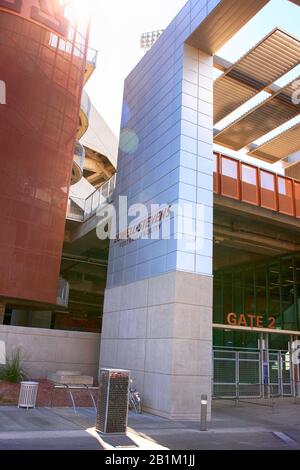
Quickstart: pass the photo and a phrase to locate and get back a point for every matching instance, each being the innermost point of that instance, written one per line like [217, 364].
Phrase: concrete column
[2, 313]
[160, 328]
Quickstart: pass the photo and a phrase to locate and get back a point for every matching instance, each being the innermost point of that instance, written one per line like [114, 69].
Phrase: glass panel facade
[264, 295]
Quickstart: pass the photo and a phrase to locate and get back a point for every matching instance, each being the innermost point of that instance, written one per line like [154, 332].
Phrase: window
[229, 168]
[248, 174]
[267, 181]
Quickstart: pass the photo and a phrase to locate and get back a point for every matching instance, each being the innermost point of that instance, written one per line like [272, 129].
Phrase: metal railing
[244, 182]
[264, 394]
[234, 179]
[242, 375]
[83, 209]
[92, 56]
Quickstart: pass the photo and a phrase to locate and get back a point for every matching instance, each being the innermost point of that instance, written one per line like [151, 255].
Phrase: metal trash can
[28, 395]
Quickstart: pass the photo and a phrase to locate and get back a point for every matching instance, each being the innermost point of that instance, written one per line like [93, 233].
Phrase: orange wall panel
[37, 132]
[48, 13]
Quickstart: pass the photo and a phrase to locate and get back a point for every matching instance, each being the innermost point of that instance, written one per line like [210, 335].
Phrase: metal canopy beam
[274, 56]
[259, 121]
[217, 326]
[224, 21]
[282, 146]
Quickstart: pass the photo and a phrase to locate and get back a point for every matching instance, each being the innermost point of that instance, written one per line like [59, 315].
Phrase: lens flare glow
[80, 9]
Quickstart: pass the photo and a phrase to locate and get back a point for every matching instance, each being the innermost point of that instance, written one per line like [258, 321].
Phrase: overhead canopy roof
[270, 59]
[280, 147]
[100, 138]
[226, 18]
[259, 121]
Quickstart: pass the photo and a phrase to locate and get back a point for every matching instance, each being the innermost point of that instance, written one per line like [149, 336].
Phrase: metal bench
[71, 388]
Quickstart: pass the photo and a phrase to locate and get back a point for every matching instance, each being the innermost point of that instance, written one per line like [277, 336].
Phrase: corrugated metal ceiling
[270, 59]
[280, 147]
[259, 121]
[223, 22]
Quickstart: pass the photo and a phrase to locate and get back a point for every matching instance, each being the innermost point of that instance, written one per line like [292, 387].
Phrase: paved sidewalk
[247, 426]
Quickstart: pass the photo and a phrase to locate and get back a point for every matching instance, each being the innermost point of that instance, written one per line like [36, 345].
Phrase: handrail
[92, 55]
[261, 188]
[84, 209]
[242, 181]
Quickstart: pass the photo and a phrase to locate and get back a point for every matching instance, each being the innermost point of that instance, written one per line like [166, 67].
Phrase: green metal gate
[236, 373]
[281, 373]
[251, 373]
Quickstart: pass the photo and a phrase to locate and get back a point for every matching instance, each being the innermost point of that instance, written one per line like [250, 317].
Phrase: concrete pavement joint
[285, 438]
[12, 435]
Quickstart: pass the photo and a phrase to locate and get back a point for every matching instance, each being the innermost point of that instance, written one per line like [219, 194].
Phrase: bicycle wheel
[137, 404]
[139, 407]
[131, 403]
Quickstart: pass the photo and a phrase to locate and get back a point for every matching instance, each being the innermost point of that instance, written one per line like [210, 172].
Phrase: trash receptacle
[28, 395]
[112, 409]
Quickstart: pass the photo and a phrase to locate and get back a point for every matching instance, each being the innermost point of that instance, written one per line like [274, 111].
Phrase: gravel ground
[9, 395]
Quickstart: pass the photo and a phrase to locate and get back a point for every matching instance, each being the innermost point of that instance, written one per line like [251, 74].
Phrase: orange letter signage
[231, 319]
[250, 320]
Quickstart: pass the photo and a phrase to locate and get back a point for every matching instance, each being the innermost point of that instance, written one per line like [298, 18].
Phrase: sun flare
[81, 9]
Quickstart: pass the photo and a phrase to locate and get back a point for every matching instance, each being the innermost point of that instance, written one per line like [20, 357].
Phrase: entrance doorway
[261, 372]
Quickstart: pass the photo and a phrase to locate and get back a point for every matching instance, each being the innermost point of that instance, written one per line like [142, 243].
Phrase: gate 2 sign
[47, 13]
[250, 320]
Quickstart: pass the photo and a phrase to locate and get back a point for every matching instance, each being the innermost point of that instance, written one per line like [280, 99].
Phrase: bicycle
[135, 400]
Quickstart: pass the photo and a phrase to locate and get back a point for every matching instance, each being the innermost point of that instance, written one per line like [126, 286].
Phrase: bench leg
[52, 395]
[73, 401]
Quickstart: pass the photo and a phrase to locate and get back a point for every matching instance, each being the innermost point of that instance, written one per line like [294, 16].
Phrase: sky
[116, 29]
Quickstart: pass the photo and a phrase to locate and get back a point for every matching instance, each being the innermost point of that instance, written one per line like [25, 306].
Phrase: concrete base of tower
[161, 330]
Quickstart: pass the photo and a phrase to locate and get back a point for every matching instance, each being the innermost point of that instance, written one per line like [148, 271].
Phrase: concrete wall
[46, 351]
[158, 303]
[160, 329]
